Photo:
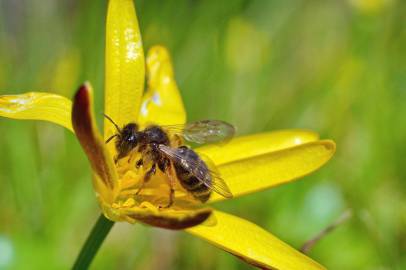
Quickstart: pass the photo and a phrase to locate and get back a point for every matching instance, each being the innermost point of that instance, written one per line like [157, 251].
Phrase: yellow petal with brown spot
[166, 218]
[105, 180]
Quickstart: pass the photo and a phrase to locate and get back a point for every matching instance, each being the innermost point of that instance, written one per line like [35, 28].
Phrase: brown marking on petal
[253, 262]
[88, 135]
[173, 222]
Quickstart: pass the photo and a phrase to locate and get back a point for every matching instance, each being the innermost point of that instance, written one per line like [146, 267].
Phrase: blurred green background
[336, 67]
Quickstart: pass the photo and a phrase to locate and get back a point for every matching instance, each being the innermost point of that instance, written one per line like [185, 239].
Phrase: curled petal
[84, 124]
[162, 103]
[37, 106]
[257, 144]
[267, 170]
[166, 218]
[251, 243]
[125, 65]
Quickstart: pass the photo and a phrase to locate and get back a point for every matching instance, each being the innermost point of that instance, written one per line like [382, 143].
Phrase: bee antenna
[111, 137]
[111, 120]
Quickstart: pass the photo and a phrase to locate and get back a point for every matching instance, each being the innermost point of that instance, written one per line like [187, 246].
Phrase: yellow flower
[248, 164]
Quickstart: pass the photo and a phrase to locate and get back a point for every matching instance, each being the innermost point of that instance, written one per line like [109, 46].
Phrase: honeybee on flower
[196, 175]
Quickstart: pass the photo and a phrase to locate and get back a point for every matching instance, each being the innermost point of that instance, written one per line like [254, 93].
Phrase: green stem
[93, 242]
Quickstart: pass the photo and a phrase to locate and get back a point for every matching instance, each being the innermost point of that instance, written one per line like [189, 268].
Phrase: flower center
[140, 187]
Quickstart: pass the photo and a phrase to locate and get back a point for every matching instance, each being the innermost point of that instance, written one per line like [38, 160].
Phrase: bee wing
[213, 181]
[218, 184]
[204, 131]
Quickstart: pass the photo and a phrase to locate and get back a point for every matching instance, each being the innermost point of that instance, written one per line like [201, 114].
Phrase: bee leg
[171, 184]
[147, 177]
[171, 197]
[139, 163]
[119, 156]
[130, 158]
[166, 167]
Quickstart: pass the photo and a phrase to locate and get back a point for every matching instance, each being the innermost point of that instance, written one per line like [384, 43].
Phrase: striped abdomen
[187, 178]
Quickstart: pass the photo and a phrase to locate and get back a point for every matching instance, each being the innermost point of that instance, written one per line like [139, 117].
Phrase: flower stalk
[93, 242]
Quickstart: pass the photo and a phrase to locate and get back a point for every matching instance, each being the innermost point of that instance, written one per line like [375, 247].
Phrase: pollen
[154, 194]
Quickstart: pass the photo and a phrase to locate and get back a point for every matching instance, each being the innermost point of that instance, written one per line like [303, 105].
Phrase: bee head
[128, 139]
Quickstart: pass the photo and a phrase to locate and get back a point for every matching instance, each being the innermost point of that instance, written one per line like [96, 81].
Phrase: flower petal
[83, 121]
[257, 144]
[166, 218]
[37, 106]
[251, 243]
[162, 103]
[125, 65]
[267, 170]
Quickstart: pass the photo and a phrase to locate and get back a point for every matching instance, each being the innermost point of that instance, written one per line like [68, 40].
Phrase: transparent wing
[204, 131]
[218, 183]
[186, 159]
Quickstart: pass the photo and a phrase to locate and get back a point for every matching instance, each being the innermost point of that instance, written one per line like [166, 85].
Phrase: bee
[195, 172]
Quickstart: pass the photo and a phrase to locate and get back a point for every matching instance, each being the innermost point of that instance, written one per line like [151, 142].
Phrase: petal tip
[158, 50]
[156, 56]
[330, 145]
[81, 105]
[83, 93]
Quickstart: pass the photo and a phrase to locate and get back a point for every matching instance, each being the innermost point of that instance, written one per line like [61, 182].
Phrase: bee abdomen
[189, 182]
